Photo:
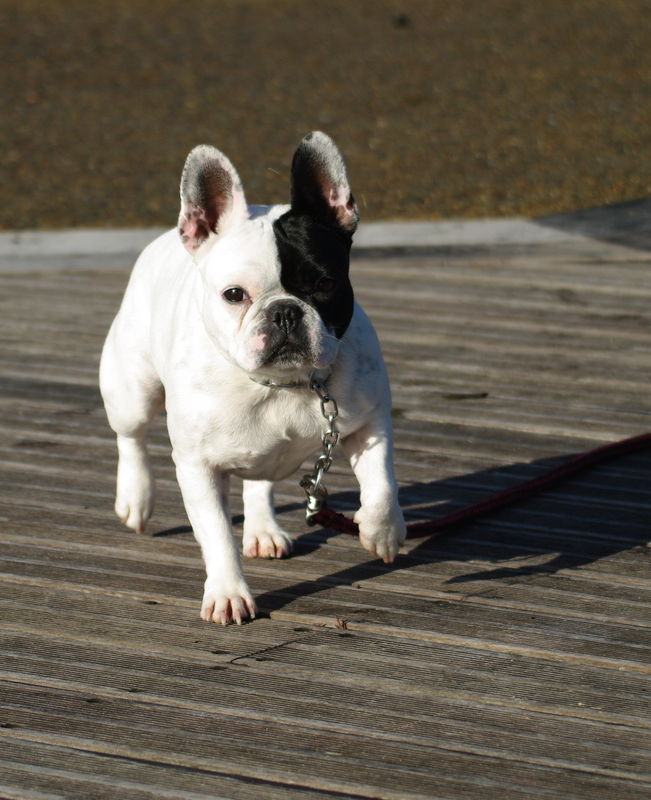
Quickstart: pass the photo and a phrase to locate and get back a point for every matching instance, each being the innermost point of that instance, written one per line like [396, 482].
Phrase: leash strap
[338, 522]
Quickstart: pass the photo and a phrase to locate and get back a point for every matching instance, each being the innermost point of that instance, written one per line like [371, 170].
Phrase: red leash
[338, 522]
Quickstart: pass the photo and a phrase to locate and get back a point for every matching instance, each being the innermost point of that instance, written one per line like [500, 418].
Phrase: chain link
[312, 482]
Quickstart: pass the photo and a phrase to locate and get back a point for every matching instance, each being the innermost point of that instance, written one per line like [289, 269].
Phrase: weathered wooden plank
[549, 599]
[201, 704]
[35, 771]
[297, 758]
[445, 715]
[363, 607]
[411, 750]
[132, 618]
[510, 672]
[315, 693]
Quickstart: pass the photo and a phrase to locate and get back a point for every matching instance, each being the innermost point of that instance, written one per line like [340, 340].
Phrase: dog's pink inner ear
[212, 197]
[194, 228]
[341, 200]
[320, 185]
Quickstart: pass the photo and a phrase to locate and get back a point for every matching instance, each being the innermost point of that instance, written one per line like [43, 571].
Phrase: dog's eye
[234, 295]
[325, 285]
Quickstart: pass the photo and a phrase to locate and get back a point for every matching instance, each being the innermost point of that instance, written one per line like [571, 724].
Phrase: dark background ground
[442, 108]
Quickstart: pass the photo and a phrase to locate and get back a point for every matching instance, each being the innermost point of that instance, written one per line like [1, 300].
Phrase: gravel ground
[442, 108]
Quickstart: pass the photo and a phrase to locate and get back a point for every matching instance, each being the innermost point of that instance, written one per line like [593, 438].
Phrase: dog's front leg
[380, 520]
[226, 596]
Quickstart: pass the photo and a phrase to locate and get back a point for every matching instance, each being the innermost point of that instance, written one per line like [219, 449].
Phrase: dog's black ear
[320, 186]
[212, 198]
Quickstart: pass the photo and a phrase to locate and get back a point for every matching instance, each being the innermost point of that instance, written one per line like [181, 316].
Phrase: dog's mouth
[287, 353]
[288, 338]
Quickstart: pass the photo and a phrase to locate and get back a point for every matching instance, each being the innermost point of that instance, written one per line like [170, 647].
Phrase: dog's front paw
[226, 604]
[381, 531]
[270, 543]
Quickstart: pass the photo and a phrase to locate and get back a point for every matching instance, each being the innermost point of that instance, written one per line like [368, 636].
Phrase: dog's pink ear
[212, 198]
[320, 184]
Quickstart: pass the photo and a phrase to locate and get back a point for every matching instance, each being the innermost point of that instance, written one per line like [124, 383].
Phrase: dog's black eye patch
[314, 262]
[325, 285]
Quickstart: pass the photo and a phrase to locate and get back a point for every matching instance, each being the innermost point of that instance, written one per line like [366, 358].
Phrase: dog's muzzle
[286, 334]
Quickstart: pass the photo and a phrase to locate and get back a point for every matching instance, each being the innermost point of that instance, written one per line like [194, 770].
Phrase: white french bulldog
[225, 322]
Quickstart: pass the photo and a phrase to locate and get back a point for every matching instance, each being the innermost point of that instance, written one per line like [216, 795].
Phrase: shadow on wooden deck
[626, 223]
[593, 536]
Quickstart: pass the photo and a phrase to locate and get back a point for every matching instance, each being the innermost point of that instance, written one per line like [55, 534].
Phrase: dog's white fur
[176, 344]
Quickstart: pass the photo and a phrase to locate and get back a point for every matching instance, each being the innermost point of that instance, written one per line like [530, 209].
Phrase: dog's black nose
[286, 316]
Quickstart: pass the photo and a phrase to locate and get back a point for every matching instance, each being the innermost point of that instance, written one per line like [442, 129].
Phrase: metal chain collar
[314, 489]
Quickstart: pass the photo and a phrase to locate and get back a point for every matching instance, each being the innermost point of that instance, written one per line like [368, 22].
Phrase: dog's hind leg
[133, 395]
[263, 537]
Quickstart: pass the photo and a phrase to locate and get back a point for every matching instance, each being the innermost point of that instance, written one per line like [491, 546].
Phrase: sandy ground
[443, 109]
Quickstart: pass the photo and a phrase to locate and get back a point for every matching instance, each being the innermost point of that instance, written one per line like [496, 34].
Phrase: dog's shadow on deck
[599, 513]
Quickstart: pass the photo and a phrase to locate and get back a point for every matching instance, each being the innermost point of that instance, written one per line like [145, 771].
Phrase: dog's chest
[264, 441]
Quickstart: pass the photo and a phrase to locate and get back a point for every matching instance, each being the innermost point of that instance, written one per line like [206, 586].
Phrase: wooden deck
[509, 660]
